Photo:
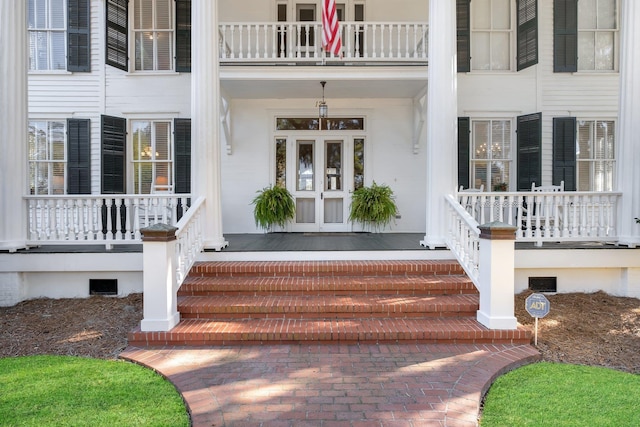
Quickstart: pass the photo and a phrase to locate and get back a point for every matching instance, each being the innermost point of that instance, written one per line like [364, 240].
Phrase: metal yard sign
[537, 305]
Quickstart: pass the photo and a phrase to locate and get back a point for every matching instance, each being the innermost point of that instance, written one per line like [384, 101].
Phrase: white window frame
[137, 183]
[475, 67]
[152, 33]
[598, 178]
[36, 33]
[476, 159]
[597, 32]
[42, 155]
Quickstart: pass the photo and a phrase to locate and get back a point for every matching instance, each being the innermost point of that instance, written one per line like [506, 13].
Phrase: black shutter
[182, 158]
[527, 33]
[564, 152]
[463, 151]
[183, 36]
[78, 156]
[117, 34]
[529, 151]
[78, 35]
[114, 138]
[565, 36]
[463, 23]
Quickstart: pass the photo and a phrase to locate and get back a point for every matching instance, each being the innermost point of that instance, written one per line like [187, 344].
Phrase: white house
[117, 114]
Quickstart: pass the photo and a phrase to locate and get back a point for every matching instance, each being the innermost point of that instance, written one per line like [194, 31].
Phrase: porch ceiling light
[323, 109]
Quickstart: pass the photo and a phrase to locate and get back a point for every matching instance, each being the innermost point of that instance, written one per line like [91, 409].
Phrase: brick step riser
[325, 269]
[444, 341]
[390, 292]
[329, 315]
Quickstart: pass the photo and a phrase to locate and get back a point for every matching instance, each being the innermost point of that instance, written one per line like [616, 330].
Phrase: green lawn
[73, 391]
[549, 394]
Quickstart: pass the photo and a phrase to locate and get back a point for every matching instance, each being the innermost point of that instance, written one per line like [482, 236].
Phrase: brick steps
[293, 307]
[230, 303]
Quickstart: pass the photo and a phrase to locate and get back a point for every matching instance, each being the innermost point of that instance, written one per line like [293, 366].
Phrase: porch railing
[548, 216]
[109, 219]
[463, 238]
[189, 237]
[302, 42]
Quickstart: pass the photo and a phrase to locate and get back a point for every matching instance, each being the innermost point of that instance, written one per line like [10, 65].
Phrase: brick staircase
[228, 303]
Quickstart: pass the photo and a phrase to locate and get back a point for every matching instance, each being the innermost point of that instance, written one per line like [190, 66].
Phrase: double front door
[322, 178]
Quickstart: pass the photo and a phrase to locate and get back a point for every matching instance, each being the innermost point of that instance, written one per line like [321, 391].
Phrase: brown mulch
[589, 329]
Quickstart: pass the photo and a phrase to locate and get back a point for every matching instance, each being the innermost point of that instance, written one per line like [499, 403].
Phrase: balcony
[379, 43]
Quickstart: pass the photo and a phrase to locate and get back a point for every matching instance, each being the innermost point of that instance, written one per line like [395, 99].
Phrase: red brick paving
[334, 385]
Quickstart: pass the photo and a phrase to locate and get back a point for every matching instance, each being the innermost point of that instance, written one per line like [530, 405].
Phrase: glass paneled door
[319, 188]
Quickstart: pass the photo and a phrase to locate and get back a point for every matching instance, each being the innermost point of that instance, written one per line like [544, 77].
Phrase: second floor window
[47, 35]
[597, 33]
[153, 29]
[152, 157]
[491, 30]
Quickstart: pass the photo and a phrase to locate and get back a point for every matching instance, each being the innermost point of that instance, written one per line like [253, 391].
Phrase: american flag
[331, 41]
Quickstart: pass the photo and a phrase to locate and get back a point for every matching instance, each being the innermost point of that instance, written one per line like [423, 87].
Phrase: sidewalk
[333, 385]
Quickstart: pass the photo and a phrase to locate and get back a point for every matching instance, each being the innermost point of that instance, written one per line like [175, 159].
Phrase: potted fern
[273, 205]
[374, 207]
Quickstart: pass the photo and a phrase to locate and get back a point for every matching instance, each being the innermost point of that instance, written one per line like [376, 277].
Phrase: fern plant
[374, 207]
[273, 205]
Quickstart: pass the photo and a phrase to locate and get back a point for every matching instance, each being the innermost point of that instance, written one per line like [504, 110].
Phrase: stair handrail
[463, 238]
[189, 239]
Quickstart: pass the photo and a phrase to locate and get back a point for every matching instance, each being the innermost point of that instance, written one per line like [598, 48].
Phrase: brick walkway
[333, 385]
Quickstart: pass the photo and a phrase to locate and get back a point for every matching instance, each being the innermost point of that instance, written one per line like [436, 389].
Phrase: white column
[205, 117]
[14, 57]
[442, 110]
[628, 155]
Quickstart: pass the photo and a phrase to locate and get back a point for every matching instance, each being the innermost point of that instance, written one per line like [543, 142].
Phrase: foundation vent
[103, 286]
[543, 284]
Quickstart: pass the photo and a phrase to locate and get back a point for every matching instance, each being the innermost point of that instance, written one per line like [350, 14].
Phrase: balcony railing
[288, 42]
[100, 219]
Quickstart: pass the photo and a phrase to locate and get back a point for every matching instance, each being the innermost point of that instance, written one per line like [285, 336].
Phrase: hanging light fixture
[323, 109]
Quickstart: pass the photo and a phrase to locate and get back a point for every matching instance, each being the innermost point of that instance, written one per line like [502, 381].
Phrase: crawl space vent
[103, 286]
[543, 284]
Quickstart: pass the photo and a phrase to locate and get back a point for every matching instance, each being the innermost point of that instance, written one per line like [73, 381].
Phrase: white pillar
[160, 286]
[496, 274]
[442, 111]
[14, 58]
[205, 117]
[628, 149]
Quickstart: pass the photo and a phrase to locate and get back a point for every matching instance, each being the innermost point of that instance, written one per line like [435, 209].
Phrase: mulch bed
[590, 329]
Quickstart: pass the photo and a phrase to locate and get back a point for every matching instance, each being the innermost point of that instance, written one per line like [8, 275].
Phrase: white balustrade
[189, 237]
[302, 41]
[463, 238]
[548, 216]
[94, 219]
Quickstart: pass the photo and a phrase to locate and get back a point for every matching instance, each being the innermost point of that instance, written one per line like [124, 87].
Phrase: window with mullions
[491, 32]
[490, 153]
[595, 155]
[47, 157]
[47, 35]
[311, 123]
[153, 33]
[152, 157]
[597, 32]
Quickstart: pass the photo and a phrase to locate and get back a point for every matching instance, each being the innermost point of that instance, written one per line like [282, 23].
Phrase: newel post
[159, 261]
[496, 276]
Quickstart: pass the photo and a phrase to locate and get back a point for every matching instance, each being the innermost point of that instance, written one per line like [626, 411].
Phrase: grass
[74, 391]
[550, 394]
